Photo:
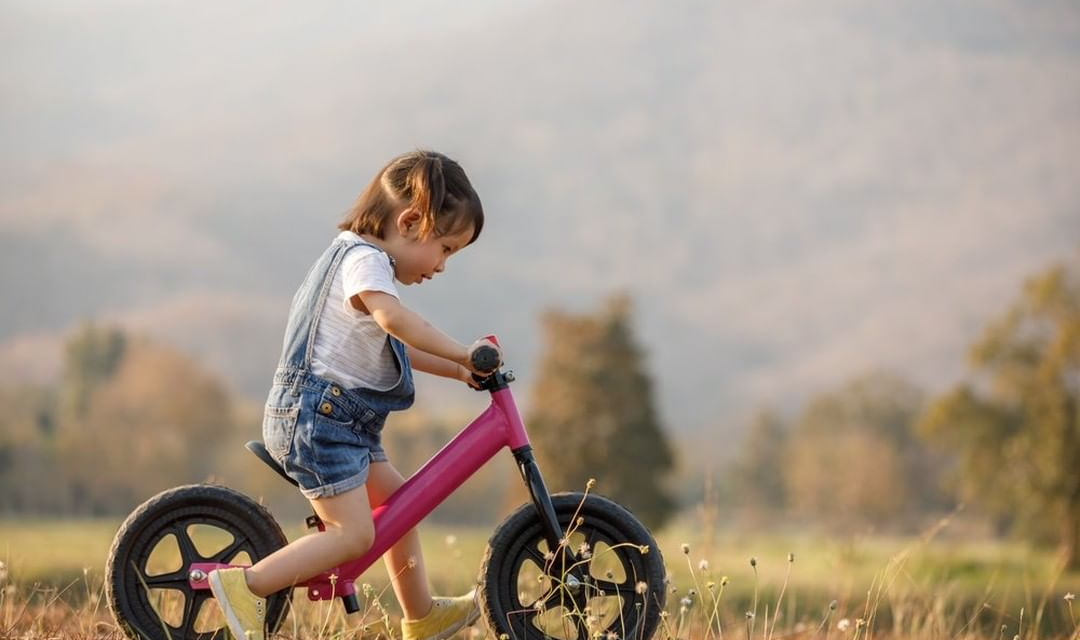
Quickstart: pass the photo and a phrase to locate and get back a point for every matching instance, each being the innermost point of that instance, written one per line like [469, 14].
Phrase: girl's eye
[445, 249]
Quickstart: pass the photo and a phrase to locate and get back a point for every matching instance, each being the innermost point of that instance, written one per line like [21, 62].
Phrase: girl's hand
[466, 376]
[468, 363]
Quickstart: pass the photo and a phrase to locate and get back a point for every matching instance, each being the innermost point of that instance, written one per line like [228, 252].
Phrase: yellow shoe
[244, 611]
[447, 617]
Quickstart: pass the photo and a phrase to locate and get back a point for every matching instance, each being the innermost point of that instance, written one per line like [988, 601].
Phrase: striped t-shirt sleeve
[365, 268]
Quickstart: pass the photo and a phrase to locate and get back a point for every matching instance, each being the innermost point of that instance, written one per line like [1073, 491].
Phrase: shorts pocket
[279, 426]
[335, 446]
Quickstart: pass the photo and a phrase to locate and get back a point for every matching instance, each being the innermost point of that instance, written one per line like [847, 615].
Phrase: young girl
[345, 365]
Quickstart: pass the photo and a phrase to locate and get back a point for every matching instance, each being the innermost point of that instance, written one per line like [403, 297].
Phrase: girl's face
[416, 260]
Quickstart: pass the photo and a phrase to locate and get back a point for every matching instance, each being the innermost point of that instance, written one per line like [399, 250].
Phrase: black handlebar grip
[485, 358]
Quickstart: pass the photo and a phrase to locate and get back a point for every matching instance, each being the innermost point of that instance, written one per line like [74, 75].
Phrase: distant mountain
[793, 193]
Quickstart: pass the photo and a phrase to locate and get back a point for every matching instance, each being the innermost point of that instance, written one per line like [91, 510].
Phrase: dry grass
[918, 588]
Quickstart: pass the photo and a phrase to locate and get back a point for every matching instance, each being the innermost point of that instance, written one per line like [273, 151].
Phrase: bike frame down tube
[498, 426]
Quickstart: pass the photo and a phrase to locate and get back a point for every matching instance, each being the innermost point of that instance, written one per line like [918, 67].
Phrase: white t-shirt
[350, 348]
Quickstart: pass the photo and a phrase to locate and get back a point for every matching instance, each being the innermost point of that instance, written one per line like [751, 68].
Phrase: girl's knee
[355, 539]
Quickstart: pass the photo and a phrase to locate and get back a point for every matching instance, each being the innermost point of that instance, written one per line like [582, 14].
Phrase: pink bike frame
[497, 427]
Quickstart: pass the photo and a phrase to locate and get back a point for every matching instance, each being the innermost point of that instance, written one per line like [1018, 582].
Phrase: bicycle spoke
[626, 589]
[579, 624]
[534, 553]
[174, 580]
[188, 552]
[192, 605]
[226, 554]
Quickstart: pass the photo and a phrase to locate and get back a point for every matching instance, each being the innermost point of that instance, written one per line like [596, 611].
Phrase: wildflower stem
[783, 588]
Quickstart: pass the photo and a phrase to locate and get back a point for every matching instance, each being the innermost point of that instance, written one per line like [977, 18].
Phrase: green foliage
[853, 457]
[91, 356]
[593, 414]
[133, 418]
[1015, 426]
[757, 475]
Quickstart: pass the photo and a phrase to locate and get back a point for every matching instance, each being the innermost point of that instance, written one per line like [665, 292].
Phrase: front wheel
[146, 575]
[608, 584]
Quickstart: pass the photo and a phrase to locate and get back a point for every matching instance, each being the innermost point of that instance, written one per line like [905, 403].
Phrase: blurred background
[801, 230]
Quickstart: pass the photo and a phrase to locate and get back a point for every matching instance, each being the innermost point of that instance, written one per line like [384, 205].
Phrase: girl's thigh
[382, 481]
[350, 510]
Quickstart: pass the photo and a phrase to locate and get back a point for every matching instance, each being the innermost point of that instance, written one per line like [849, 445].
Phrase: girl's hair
[427, 181]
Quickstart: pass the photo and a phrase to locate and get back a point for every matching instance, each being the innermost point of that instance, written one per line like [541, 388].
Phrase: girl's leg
[349, 533]
[410, 584]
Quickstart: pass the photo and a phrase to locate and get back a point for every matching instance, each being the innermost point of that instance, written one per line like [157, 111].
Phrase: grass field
[851, 586]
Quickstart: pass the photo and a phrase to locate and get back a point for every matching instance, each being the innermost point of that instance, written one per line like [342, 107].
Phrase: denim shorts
[325, 437]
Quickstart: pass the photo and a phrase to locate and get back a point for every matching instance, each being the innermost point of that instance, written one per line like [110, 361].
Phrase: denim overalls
[325, 436]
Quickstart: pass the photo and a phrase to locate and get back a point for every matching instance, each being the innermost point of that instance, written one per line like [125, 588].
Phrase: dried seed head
[791, 557]
[641, 588]
[703, 565]
[749, 615]
[723, 581]
[1069, 597]
[685, 548]
[590, 484]
[753, 561]
[843, 624]
[832, 606]
[643, 549]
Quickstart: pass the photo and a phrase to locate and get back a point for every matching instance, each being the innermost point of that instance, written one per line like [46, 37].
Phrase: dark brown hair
[427, 181]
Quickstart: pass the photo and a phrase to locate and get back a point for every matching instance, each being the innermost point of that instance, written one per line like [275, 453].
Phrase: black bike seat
[259, 449]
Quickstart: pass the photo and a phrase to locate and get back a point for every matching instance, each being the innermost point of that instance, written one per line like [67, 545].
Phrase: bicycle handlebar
[485, 358]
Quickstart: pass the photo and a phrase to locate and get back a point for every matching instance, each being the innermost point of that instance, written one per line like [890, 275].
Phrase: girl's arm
[407, 325]
[433, 364]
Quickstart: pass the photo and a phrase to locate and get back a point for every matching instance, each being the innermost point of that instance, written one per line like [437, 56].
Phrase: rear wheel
[609, 585]
[147, 571]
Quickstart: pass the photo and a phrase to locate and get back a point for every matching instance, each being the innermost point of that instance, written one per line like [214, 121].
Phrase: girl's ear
[408, 222]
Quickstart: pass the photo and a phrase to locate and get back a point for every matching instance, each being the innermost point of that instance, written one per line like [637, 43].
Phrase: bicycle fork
[538, 492]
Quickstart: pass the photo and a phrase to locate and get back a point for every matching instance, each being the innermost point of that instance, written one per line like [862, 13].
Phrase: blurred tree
[91, 356]
[156, 422]
[853, 458]
[1016, 425]
[592, 412]
[27, 467]
[129, 418]
[757, 475]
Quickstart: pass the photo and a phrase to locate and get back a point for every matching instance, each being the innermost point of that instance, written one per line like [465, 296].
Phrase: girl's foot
[447, 617]
[244, 611]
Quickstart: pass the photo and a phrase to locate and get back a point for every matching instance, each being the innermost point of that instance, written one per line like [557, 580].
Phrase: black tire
[620, 589]
[130, 585]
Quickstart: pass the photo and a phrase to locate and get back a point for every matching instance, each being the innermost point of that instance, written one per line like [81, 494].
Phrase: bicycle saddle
[259, 449]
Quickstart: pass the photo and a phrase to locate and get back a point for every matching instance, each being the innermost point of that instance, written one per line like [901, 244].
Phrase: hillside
[792, 193]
